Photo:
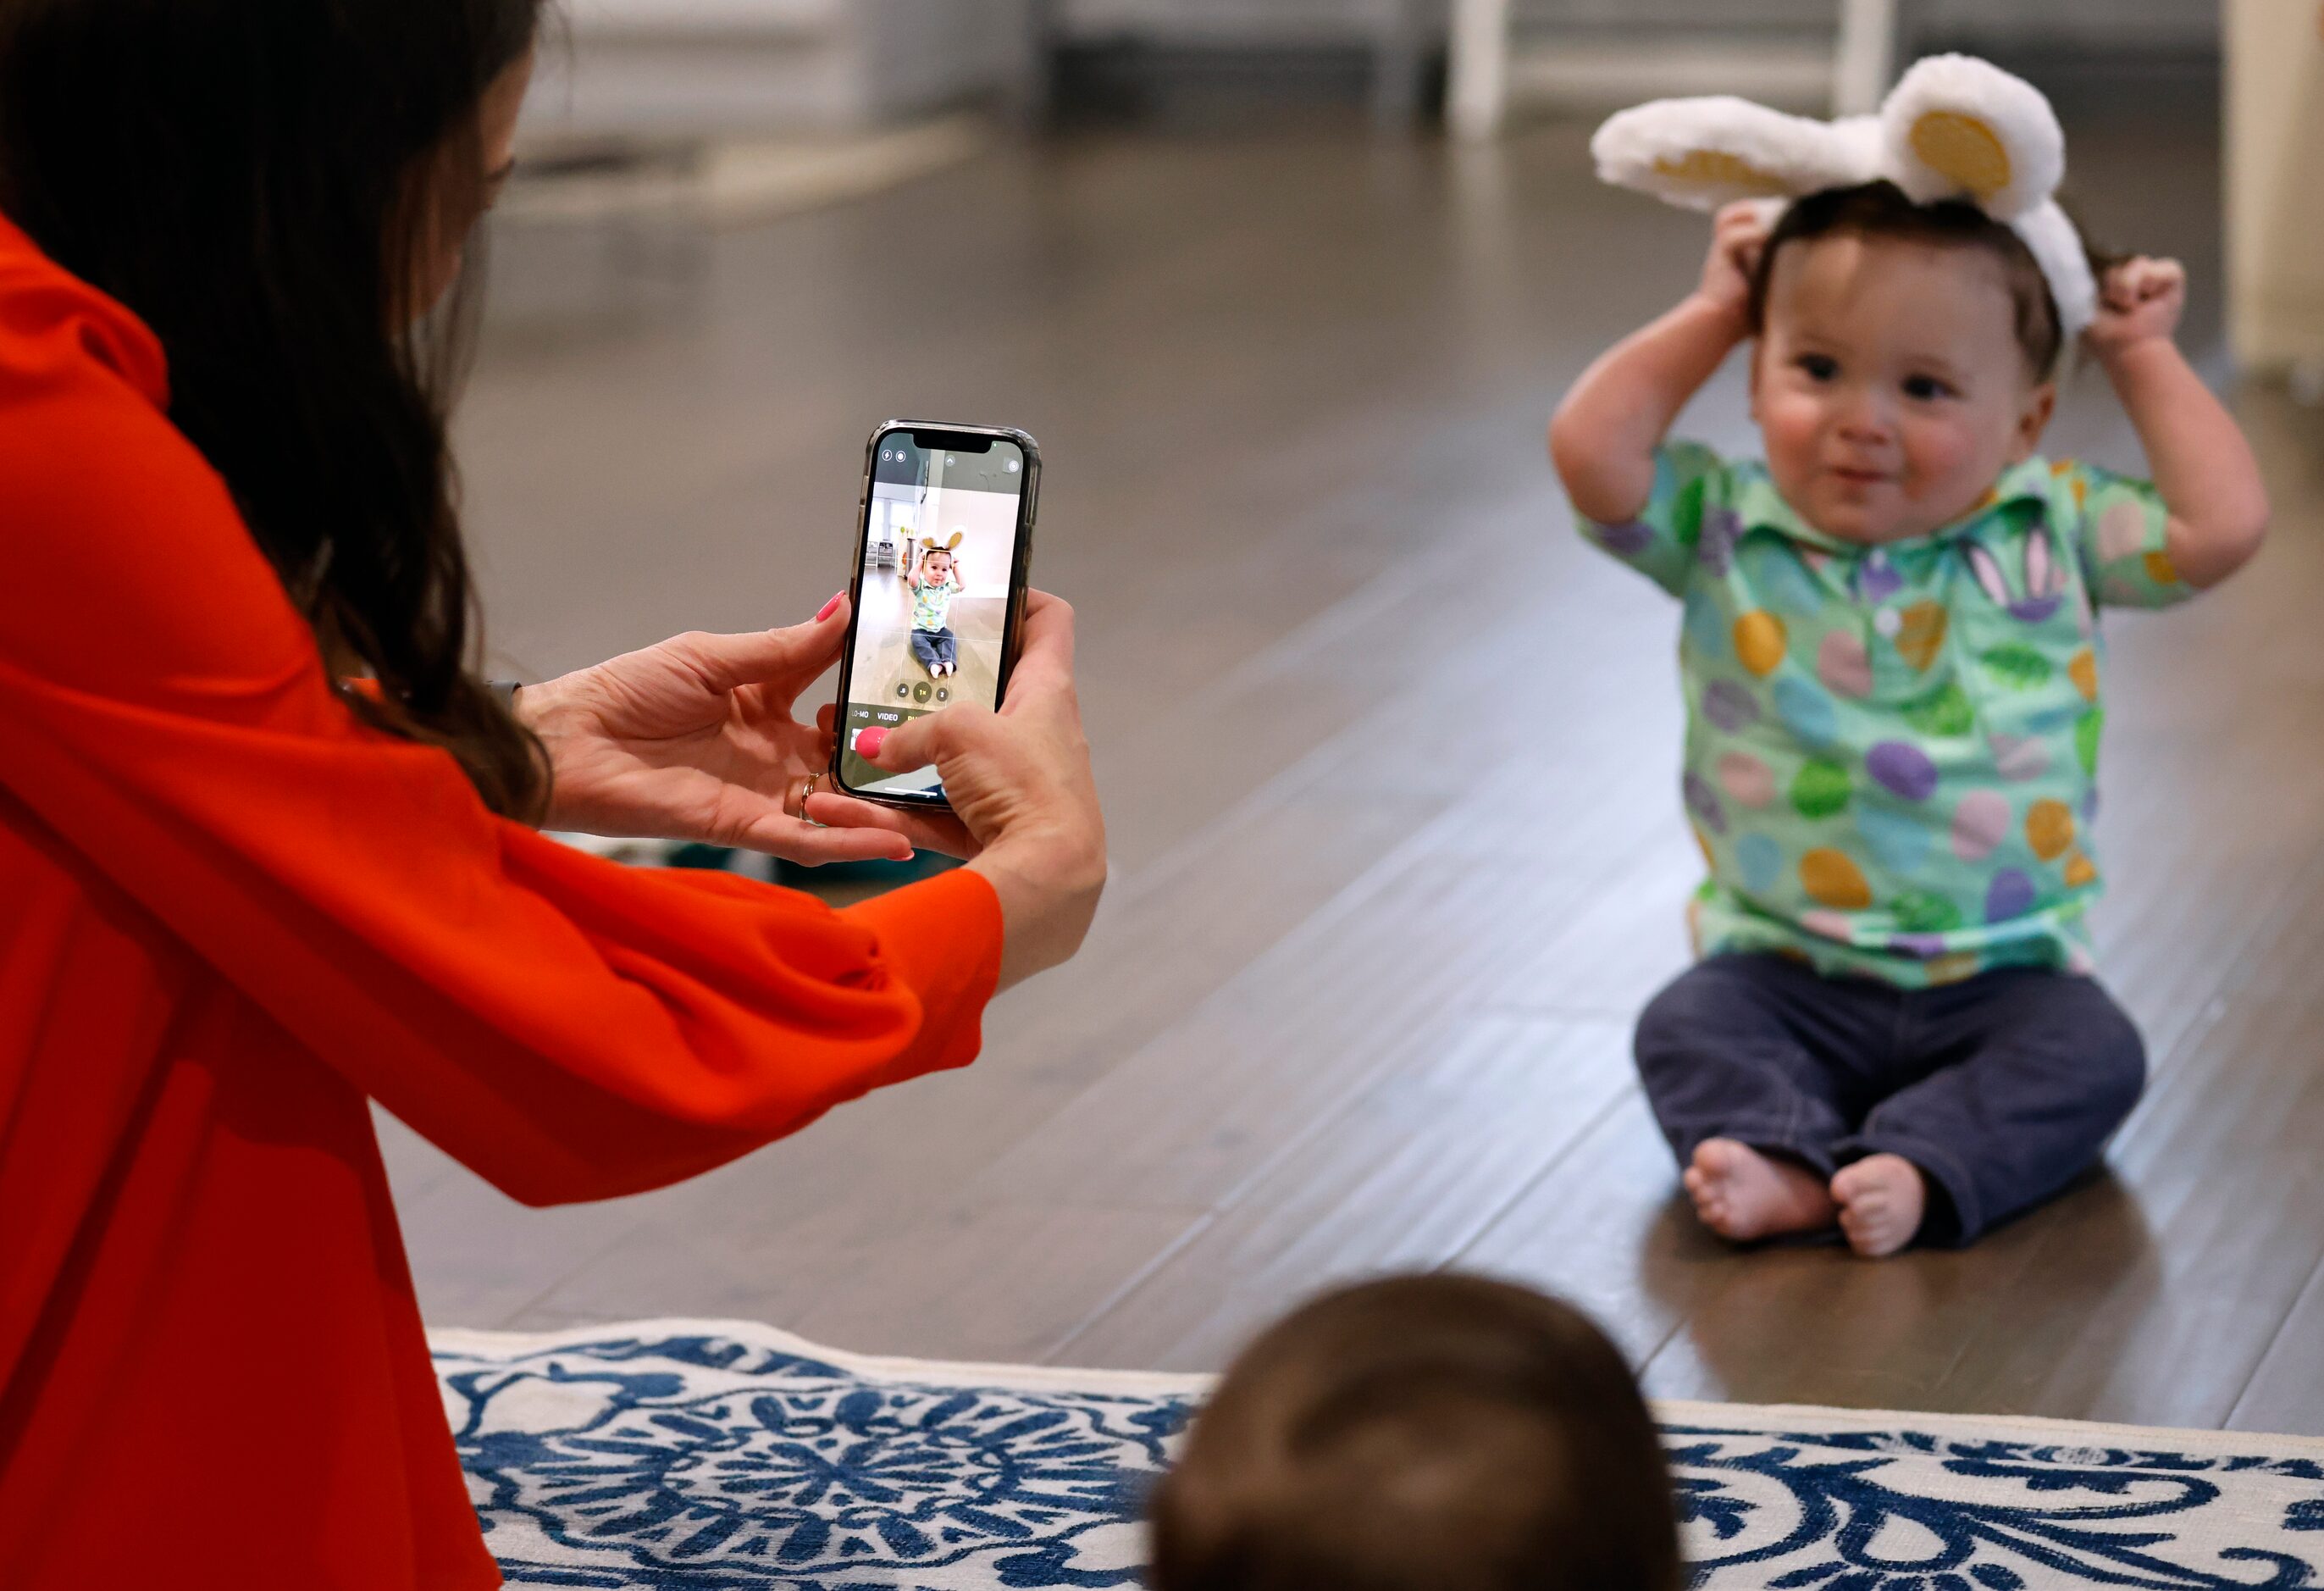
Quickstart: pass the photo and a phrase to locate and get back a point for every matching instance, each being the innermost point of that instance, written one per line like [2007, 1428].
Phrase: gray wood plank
[1406, 1171]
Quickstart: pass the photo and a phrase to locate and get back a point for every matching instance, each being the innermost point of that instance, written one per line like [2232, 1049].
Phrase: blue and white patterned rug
[719, 1456]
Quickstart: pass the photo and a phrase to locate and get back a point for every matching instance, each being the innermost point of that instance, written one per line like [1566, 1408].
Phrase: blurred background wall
[655, 66]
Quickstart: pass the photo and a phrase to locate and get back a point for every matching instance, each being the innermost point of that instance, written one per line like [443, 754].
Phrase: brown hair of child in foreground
[1422, 1433]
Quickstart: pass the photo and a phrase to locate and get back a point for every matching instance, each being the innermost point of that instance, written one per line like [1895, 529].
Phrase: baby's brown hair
[1882, 211]
[1422, 1433]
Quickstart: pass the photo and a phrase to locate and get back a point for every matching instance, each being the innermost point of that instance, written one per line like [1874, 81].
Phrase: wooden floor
[1396, 844]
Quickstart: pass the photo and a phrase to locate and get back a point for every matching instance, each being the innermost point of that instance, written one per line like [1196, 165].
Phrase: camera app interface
[938, 544]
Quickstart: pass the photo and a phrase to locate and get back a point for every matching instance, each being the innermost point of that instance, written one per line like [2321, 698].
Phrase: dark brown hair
[1881, 210]
[1422, 1433]
[257, 180]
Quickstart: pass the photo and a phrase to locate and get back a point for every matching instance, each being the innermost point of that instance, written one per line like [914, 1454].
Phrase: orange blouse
[230, 912]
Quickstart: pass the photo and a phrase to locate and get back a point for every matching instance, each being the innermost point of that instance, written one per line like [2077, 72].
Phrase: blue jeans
[934, 646]
[2002, 1088]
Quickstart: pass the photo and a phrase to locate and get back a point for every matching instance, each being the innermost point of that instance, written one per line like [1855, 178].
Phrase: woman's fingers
[1045, 654]
[780, 835]
[922, 742]
[785, 660]
[932, 832]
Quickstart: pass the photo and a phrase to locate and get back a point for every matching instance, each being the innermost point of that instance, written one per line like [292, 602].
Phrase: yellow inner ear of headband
[1715, 167]
[1964, 149]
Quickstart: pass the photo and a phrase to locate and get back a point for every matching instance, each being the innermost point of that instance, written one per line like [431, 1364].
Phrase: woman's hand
[1024, 805]
[696, 739]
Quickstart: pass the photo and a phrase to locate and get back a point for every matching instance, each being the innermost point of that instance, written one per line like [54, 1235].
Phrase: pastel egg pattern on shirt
[2019, 758]
[1921, 633]
[1759, 640]
[1891, 751]
[1820, 789]
[2050, 828]
[2010, 895]
[1844, 665]
[2122, 533]
[1806, 711]
[1747, 779]
[1706, 626]
[1759, 858]
[1836, 926]
[1897, 839]
[1903, 769]
[1980, 823]
[1787, 584]
[1830, 877]
[1703, 803]
[1730, 706]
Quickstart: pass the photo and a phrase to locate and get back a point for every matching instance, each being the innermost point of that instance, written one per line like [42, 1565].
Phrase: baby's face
[1889, 385]
[939, 566]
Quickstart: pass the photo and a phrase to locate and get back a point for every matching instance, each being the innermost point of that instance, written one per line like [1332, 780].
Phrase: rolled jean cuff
[1786, 1140]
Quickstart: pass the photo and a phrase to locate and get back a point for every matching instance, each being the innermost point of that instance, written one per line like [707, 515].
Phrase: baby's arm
[1604, 435]
[2203, 468]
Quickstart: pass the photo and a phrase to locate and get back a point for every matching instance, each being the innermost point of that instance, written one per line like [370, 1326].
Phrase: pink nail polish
[831, 607]
[867, 743]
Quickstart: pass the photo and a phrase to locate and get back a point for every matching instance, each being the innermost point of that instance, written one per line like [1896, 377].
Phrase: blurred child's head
[939, 563]
[1905, 358]
[1422, 1433]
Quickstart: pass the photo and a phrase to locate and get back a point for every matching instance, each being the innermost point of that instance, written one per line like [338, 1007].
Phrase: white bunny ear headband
[1954, 127]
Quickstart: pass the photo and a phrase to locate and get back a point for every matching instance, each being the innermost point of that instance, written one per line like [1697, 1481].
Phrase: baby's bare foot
[1742, 1195]
[1881, 1199]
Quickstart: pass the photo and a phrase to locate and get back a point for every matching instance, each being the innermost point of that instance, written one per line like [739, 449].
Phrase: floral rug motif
[721, 1456]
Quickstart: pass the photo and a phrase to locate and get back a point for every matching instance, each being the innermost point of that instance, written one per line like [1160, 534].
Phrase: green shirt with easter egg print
[1892, 751]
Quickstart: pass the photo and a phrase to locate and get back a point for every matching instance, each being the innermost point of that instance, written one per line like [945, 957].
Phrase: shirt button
[1888, 622]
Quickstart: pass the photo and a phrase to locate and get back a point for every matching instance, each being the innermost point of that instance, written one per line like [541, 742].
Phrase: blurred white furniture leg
[1865, 63]
[2276, 227]
[1487, 73]
[1478, 97]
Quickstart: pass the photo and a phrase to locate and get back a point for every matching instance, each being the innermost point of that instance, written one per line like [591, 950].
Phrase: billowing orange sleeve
[569, 1028]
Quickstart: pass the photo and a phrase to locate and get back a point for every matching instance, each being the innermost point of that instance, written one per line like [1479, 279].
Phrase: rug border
[1759, 1416]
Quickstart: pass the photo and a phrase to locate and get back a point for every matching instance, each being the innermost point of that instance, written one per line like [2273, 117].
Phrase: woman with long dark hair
[267, 845]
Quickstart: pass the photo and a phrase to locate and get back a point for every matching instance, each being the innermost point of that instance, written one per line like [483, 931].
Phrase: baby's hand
[2140, 299]
[1737, 236]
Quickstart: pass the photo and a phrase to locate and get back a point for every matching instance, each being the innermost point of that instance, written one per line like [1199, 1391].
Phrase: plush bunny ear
[1957, 126]
[953, 545]
[1703, 153]
[929, 543]
[2058, 249]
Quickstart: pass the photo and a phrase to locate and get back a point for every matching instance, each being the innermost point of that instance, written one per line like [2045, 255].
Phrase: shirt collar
[1762, 508]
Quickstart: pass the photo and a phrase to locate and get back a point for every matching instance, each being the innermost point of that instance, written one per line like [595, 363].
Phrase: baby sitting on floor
[934, 584]
[1422, 1433]
[1889, 650]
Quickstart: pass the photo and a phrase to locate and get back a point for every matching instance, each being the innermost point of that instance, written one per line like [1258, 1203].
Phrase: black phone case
[1019, 583]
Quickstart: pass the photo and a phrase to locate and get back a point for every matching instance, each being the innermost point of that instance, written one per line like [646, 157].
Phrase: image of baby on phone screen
[935, 582]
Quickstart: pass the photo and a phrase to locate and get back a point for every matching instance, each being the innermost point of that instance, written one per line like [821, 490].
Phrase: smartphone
[943, 553]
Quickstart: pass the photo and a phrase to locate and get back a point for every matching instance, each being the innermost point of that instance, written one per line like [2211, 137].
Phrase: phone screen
[940, 544]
